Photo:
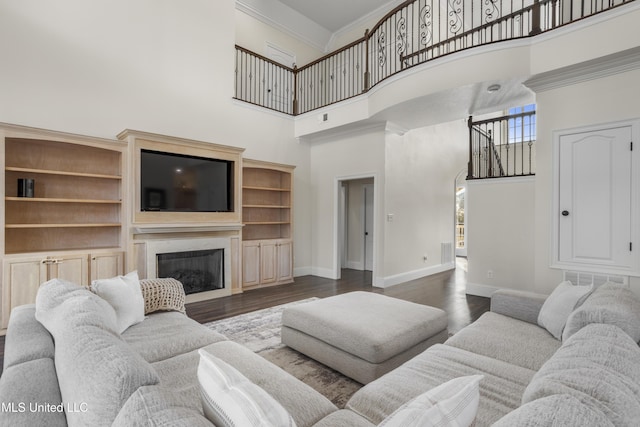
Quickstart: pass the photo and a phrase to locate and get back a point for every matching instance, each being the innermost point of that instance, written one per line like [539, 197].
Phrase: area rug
[260, 332]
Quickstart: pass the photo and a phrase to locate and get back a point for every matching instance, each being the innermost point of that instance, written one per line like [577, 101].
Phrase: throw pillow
[230, 399]
[559, 305]
[612, 304]
[454, 403]
[125, 296]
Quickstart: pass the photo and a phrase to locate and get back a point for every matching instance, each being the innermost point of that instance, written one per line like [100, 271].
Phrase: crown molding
[598, 68]
[287, 20]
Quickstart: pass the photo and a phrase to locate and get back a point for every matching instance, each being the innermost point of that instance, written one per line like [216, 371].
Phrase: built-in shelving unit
[266, 200]
[266, 215]
[77, 199]
[71, 226]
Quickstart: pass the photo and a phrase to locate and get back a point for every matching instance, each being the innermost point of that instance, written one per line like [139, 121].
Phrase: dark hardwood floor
[444, 290]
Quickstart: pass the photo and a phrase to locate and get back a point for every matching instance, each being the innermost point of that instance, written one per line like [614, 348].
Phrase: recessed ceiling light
[493, 88]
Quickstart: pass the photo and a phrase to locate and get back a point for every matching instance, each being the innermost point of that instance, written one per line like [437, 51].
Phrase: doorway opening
[356, 235]
[460, 213]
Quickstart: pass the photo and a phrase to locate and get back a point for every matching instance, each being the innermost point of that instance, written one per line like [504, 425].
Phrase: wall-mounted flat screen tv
[180, 183]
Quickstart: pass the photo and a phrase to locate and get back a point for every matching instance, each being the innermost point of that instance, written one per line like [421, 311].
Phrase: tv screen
[180, 183]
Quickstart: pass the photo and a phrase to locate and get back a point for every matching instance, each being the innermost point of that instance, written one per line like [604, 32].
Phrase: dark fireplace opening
[198, 271]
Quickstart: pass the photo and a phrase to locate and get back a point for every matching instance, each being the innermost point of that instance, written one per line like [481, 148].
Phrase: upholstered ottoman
[362, 334]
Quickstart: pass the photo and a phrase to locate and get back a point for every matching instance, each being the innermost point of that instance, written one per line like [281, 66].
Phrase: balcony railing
[502, 146]
[415, 32]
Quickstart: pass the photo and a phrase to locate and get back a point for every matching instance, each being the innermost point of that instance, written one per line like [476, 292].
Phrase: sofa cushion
[229, 399]
[610, 303]
[454, 403]
[165, 334]
[30, 395]
[555, 410]
[559, 305]
[180, 374]
[159, 406]
[500, 391]
[598, 366]
[95, 368]
[344, 418]
[26, 338]
[518, 304]
[124, 295]
[504, 338]
[166, 294]
[305, 405]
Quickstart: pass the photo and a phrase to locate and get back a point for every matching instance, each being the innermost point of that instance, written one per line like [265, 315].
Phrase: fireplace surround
[202, 264]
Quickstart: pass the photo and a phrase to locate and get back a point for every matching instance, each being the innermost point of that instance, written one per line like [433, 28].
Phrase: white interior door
[594, 204]
[368, 227]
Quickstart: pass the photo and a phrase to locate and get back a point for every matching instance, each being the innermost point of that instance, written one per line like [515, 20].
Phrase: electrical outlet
[489, 274]
[424, 258]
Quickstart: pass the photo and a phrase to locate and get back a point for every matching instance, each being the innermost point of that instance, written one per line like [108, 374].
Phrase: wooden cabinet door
[250, 263]
[22, 278]
[285, 261]
[106, 265]
[73, 268]
[268, 262]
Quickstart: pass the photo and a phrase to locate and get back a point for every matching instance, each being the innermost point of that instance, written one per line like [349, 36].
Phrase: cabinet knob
[565, 213]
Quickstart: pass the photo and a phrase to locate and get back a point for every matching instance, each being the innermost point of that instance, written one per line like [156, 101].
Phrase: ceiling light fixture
[493, 88]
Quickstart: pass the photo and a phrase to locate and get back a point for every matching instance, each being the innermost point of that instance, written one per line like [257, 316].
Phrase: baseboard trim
[397, 279]
[302, 271]
[327, 273]
[480, 290]
[355, 265]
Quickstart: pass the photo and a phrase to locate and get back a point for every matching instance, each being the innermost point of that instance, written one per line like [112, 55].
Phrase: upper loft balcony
[432, 48]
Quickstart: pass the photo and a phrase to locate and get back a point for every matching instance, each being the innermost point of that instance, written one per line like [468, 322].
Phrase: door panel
[268, 262]
[285, 258]
[368, 227]
[595, 197]
[250, 263]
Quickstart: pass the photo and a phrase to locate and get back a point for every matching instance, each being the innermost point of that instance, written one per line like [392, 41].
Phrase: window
[523, 128]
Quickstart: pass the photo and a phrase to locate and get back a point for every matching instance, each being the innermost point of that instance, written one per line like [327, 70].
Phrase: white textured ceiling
[334, 15]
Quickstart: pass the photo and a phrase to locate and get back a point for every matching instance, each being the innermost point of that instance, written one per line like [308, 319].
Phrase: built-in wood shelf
[247, 187]
[64, 173]
[59, 200]
[70, 225]
[267, 206]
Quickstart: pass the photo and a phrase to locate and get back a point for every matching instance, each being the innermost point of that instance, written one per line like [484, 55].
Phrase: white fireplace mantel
[183, 228]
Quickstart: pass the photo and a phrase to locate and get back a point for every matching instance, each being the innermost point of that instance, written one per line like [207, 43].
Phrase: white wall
[500, 230]
[597, 101]
[345, 157]
[253, 34]
[162, 66]
[421, 169]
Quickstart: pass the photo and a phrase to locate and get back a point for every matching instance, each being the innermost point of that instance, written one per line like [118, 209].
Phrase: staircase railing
[502, 146]
[415, 32]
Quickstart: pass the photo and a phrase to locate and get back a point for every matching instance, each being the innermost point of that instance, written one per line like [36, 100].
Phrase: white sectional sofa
[148, 374]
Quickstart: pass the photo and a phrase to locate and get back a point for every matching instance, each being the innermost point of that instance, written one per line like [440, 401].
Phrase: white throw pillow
[230, 399]
[125, 296]
[452, 404]
[558, 306]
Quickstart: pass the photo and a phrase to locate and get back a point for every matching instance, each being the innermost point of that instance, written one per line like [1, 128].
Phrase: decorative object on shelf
[26, 187]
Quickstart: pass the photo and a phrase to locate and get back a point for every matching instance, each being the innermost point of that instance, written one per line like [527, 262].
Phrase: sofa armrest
[165, 294]
[518, 304]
